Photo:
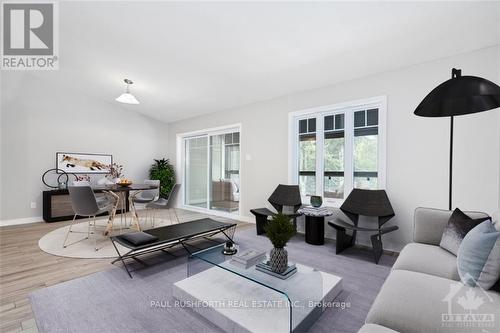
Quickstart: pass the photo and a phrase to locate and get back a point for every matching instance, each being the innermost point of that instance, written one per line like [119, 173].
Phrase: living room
[334, 141]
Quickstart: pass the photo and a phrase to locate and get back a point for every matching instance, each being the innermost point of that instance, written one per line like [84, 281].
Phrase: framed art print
[83, 162]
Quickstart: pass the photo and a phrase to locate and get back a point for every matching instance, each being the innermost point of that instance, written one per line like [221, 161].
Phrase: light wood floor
[25, 268]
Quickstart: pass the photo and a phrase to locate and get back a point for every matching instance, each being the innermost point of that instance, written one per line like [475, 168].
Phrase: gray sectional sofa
[423, 292]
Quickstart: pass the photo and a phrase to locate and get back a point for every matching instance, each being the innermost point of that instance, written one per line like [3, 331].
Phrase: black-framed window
[307, 156]
[338, 151]
[333, 156]
[365, 149]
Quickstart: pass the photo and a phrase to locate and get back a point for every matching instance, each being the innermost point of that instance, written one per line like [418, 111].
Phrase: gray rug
[110, 301]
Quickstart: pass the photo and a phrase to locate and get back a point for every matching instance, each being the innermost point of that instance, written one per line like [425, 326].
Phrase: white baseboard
[25, 220]
[241, 218]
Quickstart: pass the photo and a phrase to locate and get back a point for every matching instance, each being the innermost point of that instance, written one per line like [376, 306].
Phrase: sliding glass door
[196, 171]
[212, 171]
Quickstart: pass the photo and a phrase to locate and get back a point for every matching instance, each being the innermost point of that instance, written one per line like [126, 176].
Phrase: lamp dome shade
[127, 98]
[459, 96]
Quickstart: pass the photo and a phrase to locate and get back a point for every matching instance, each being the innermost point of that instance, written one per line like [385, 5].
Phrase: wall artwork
[83, 163]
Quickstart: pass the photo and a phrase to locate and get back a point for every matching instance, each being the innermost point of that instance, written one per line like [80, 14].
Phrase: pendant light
[127, 97]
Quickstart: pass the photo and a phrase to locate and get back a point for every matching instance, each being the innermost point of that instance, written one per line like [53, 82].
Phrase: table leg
[135, 217]
[124, 207]
[112, 214]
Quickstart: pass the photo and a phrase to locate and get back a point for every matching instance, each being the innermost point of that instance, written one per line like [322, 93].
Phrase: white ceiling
[192, 58]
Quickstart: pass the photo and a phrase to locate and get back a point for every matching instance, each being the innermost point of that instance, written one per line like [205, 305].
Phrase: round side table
[315, 223]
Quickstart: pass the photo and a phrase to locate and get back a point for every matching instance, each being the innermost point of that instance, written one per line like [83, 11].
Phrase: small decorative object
[163, 171]
[124, 182]
[115, 172]
[279, 231]
[81, 179]
[83, 163]
[50, 180]
[229, 249]
[105, 181]
[278, 259]
[316, 201]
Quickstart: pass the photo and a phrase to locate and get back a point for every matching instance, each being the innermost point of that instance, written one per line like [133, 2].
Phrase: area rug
[81, 247]
[109, 301]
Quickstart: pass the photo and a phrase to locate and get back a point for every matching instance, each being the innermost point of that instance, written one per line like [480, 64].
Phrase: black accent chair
[367, 203]
[283, 195]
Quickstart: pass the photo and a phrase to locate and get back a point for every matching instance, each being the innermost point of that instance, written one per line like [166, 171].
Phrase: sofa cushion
[457, 227]
[414, 302]
[479, 256]
[139, 238]
[430, 224]
[429, 259]
[374, 328]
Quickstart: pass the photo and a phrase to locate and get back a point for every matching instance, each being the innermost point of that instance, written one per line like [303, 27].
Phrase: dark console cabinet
[57, 206]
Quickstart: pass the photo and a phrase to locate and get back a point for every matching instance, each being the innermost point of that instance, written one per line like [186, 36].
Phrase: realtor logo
[29, 36]
[465, 308]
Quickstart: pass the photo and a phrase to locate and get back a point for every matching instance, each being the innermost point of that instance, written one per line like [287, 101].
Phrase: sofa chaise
[423, 293]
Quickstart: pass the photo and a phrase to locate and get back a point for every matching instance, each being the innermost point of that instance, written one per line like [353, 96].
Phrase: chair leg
[69, 230]
[154, 216]
[260, 222]
[95, 235]
[377, 246]
[88, 229]
[343, 240]
[110, 227]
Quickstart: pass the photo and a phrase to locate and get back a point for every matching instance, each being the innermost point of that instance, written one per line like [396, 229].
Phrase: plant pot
[278, 260]
[316, 201]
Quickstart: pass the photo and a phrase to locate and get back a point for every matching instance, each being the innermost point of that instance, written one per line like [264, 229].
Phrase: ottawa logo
[465, 307]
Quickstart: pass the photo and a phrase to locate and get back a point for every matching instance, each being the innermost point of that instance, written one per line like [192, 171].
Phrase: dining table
[119, 193]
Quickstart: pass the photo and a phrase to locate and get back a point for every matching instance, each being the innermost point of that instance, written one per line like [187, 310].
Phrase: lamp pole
[450, 191]
[455, 73]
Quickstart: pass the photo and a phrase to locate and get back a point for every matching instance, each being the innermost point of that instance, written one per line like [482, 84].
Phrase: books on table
[266, 268]
[248, 258]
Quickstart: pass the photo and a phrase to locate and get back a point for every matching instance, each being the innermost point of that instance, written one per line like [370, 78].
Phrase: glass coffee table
[237, 298]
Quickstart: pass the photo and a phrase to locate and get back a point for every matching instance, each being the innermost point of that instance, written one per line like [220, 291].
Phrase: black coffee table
[172, 235]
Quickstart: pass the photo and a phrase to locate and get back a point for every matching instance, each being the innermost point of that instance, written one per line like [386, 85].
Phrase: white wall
[41, 114]
[417, 148]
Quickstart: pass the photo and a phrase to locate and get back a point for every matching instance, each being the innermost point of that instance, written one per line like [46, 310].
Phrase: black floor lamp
[459, 96]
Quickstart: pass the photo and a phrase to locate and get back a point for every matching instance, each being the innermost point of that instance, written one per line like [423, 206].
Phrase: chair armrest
[430, 224]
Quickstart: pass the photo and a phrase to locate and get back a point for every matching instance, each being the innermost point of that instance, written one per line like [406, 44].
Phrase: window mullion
[320, 139]
[349, 152]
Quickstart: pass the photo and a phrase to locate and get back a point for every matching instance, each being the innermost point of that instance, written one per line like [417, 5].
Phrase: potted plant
[163, 171]
[115, 173]
[279, 231]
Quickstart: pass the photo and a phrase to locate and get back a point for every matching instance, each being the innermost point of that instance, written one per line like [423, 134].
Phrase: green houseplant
[279, 231]
[163, 171]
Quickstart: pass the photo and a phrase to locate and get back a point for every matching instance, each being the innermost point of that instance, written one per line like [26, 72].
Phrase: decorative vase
[278, 260]
[316, 201]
